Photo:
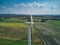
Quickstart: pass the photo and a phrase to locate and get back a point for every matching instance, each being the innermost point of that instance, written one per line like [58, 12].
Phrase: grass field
[13, 31]
[54, 22]
[16, 25]
[13, 20]
[9, 42]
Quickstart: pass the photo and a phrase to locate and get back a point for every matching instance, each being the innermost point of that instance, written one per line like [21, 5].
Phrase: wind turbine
[30, 24]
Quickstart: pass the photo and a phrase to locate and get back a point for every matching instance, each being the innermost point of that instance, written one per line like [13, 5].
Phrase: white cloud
[37, 8]
[34, 4]
[38, 4]
[23, 4]
[17, 5]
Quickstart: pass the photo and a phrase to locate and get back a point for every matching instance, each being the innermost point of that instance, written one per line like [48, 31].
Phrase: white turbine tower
[30, 24]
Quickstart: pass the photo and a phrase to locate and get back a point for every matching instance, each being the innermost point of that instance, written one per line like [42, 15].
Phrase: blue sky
[29, 6]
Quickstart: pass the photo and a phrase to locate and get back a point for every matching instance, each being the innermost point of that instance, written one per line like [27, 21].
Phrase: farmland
[49, 32]
[14, 31]
[10, 42]
[54, 22]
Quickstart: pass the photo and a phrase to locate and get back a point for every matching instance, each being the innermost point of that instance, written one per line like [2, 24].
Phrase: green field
[13, 32]
[12, 20]
[54, 22]
[10, 42]
[16, 25]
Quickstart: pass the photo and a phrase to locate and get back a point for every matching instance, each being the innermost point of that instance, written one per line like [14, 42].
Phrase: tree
[1, 19]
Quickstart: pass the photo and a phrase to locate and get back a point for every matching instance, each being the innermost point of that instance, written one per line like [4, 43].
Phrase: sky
[29, 6]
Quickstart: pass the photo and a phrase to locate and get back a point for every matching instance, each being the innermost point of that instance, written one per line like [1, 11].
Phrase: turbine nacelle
[29, 23]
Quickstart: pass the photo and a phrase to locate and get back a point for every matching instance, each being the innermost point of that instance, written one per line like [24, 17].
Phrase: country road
[48, 33]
